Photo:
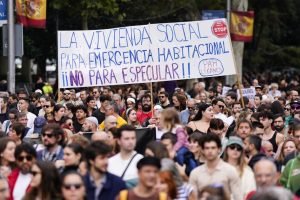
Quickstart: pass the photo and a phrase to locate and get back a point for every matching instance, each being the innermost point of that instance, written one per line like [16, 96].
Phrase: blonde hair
[169, 118]
[241, 161]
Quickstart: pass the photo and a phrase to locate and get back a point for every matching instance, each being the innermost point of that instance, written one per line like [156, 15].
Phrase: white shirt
[31, 117]
[116, 166]
[21, 186]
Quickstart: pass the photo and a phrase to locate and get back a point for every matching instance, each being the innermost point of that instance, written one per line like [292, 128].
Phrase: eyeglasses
[235, 146]
[46, 106]
[28, 158]
[34, 173]
[161, 97]
[74, 185]
[48, 135]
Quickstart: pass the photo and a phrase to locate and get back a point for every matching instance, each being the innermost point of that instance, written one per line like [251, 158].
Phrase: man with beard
[99, 183]
[90, 125]
[110, 110]
[66, 98]
[163, 98]
[252, 146]
[145, 114]
[20, 178]
[120, 104]
[274, 137]
[278, 123]
[127, 159]
[52, 137]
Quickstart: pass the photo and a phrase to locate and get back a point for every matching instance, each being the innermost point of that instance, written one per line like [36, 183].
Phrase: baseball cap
[39, 123]
[234, 140]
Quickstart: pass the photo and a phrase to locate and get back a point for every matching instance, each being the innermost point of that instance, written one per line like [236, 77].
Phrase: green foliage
[276, 35]
[276, 31]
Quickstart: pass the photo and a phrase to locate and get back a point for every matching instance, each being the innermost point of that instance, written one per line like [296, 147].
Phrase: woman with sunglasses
[7, 157]
[234, 154]
[73, 186]
[45, 182]
[66, 124]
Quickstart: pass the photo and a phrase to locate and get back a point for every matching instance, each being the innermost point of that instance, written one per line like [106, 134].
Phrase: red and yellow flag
[32, 13]
[241, 26]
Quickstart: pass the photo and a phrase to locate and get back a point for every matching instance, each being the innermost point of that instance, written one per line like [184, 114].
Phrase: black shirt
[99, 115]
[77, 126]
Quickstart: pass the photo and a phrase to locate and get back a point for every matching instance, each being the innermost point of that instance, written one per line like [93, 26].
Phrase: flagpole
[11, 48]
[152, 102]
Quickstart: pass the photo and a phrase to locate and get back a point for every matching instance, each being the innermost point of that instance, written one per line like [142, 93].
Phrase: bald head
[99, 136]
[268, 147]
[110, 122]
[265, 173]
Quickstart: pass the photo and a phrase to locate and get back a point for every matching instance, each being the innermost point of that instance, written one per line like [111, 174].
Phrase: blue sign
[3, 12]
[212, 14]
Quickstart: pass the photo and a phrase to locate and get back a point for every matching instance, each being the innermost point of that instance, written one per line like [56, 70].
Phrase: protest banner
[248, 92]
[3, 12]
[225, 89]
[143, 54]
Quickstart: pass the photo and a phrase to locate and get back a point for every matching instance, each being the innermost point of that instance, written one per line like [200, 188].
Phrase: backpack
[124, 195]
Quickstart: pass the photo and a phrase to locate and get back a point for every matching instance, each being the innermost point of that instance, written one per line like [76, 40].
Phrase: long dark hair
[201, 108]
[3, 145]
[50, 183]
[77, 149]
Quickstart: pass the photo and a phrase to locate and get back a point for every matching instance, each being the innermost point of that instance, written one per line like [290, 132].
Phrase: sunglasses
[48, 135]
[95, 92]
[46, 106]
[295, 107]
[34, 173]
[70, 124]
[21, 158]
[67, 93]
[161, 97]
[74, 185]
[235, 146]
[287, 109]
[220, 106]
[191, 108]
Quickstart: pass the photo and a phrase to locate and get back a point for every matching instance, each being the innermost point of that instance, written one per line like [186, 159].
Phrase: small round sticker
[219, 29]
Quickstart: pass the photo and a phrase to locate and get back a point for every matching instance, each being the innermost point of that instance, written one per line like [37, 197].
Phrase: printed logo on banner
[210, 67]
[219, 29]
[146, 53]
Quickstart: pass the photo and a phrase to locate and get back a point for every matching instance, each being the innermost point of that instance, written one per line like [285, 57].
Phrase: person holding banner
[145, 114]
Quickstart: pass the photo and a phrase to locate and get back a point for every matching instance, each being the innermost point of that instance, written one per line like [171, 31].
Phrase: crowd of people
[131, 143]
